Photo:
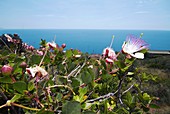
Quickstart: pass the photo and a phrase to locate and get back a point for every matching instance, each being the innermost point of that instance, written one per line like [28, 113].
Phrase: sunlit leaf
[12, 57]
[75, 52]
[82, 92]
[130, 73]
[146, 97]
[16, 97]
[31, 86]
[69, 53]
[50, 98]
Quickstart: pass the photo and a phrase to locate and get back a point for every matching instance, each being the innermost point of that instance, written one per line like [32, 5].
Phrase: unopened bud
[23, 65]
[6, 70]
[63, 45]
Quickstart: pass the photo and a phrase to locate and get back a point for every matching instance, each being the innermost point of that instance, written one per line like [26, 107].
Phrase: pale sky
[85, 14]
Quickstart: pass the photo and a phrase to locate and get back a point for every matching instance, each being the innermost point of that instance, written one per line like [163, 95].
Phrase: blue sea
[91, 40]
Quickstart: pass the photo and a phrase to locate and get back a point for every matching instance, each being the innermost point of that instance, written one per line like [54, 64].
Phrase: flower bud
[6, 70]
[31, 48]
[23, 65]
[63, 45]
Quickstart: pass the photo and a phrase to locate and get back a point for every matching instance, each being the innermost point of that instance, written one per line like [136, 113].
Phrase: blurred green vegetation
[158, 66]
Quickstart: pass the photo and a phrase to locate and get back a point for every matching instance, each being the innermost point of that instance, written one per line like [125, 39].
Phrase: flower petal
[42, 71]
[109, 52]
[31, 71]
[108, 60]
[139, 55]
[133, 45]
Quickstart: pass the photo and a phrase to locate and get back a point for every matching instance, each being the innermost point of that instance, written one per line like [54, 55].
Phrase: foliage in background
[159, 66]
[53, 80]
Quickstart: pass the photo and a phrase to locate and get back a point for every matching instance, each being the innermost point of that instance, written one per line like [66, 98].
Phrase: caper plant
[52, 79]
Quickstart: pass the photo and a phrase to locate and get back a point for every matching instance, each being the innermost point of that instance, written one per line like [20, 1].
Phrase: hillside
[159, 66]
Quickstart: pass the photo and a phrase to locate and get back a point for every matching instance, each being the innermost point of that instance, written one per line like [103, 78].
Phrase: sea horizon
[91, 40]
[80, 29]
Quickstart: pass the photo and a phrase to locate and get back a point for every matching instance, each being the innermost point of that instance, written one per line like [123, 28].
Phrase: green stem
[118, 53]
[112, 41]
[3, 106]
[21, 106]
[62, 86]
[105, 107]
[13, 79]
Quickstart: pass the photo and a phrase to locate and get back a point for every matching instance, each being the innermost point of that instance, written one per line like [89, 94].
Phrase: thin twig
[73, 71]
[6, 99]
[43, 57]
[128, 89]
[3, 106]
[87, 97]
[61, 86]
[120, 85]
[119, 88]
[104, 97]
[120, 100]
[80, 69]
[6, 46]
[3, 95]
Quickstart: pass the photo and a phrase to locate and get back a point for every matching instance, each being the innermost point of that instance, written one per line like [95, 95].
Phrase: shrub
[69, 81]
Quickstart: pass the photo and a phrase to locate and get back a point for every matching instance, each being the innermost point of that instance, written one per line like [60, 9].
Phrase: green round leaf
[5, 79]
[86, 77]
[31, 86]
[75, 83]
[20, 86]
[72, 107]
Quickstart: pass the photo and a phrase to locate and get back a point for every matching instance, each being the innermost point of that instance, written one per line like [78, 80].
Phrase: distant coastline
[158, 52]
[92, 41]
